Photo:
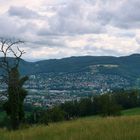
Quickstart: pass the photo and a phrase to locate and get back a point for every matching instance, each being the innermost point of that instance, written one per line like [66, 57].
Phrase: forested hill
[127, 65]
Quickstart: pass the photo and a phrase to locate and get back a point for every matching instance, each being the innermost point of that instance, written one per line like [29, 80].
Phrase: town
[49, 89]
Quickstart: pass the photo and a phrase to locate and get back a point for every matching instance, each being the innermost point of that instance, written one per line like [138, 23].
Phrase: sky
[63, 28]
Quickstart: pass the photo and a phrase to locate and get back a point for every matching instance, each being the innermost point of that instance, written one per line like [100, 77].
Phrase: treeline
[109, 104]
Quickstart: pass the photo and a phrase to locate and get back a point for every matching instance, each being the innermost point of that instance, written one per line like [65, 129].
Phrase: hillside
[93, 71]
[128, 64]
[113, 128]
[130, 112]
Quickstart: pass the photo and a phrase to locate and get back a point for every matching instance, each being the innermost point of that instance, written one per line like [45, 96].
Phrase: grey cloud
[22, 12]
[126, 15]
[93, 50]
[71, 28]
[126, 34]
[51, 42]
[11, 28]
[138, 40]
[71, 20]
[109, 52]
[8, 28]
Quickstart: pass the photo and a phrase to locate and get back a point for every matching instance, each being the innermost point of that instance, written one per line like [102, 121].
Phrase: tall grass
[111, 128]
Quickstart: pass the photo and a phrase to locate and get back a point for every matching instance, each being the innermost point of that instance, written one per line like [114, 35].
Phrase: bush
[108, 106]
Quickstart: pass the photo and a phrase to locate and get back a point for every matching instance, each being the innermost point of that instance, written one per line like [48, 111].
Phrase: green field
[111, 128]
[130, 112]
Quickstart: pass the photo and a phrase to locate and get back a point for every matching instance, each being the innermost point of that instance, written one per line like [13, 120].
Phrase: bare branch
[7, 47]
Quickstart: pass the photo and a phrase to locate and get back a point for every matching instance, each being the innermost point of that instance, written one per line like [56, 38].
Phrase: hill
[128, 64]
[93, 71]
[104, 69]
[113, 128]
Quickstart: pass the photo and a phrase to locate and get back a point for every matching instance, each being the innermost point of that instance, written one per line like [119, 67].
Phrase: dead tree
[9, 63]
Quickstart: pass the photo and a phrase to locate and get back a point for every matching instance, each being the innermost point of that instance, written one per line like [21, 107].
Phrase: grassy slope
[129, 112]
[133, 111]
[117, 128]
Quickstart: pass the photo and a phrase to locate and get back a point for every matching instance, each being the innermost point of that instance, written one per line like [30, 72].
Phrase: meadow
[89, 128]
[130, 112]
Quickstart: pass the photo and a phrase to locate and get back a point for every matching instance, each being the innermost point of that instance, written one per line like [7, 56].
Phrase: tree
[85, 107]
[71, 109]
[108, 106]
[9, 64]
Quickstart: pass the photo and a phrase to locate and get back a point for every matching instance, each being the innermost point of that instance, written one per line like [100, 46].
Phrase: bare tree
[9, 64]
[8, 50]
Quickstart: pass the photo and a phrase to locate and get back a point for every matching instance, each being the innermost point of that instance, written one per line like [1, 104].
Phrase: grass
[126, 127]
[90, 128]
[130, 112]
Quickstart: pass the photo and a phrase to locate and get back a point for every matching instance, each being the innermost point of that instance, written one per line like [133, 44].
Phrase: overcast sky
[63, 28]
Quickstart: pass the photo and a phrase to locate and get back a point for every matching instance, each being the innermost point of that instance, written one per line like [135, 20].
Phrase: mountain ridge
[91, 69]
[129, 63]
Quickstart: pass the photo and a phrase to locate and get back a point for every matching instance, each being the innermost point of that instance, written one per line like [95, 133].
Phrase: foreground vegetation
[130, 112]
[125, 127]
[110, 128]
[109, 104]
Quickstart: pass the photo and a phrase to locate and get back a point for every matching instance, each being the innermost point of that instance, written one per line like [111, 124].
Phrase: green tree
[127, 99]
[55, 114]
[11, 76]
[108, 106]
[85, 107]
[16, 96]
[71, 109]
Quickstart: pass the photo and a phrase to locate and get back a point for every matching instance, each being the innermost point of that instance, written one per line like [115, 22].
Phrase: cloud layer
[71, 28]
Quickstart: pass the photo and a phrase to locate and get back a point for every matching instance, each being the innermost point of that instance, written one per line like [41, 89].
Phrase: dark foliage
[16, 95]
[109, 104]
